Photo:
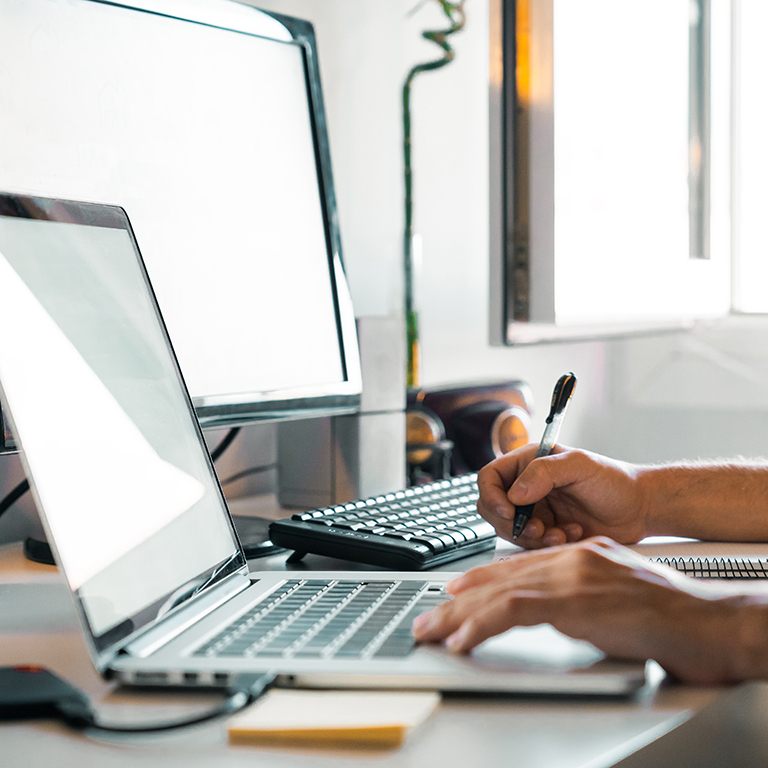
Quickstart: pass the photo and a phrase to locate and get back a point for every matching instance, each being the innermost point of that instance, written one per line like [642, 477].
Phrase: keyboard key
[435, 544]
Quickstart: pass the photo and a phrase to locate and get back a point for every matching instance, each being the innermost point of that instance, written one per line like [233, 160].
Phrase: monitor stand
[38, 550]
[253, 533]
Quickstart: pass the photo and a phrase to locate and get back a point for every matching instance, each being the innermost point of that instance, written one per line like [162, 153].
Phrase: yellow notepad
[332, 718]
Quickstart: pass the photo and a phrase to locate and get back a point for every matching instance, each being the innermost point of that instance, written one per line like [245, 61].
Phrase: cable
[13, 496]
[247, 689]
[225, 442]
[247, 472]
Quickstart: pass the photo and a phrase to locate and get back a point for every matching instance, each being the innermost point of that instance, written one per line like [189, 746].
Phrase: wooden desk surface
[38, 625]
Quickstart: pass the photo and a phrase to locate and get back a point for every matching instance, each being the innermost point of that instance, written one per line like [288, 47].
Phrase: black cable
[247, 472]
[13, 496]
[225, 442]
[246, 690]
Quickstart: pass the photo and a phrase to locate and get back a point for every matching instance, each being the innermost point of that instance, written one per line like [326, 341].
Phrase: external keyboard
[417, 528]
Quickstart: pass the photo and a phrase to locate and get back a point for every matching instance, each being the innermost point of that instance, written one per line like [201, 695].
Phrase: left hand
[589, 591]
[577, 494]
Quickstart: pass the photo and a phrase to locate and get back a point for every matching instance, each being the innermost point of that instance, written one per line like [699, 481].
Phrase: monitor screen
[205, 122]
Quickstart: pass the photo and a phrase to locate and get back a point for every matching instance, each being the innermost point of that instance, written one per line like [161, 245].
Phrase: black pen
[560, 399]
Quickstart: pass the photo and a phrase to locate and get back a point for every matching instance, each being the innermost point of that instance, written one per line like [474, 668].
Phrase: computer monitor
[204, 120]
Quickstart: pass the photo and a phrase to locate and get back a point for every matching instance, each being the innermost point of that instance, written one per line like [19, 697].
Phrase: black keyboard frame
[376, 549]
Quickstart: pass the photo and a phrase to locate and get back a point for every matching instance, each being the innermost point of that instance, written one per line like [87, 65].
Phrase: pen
[560, 399]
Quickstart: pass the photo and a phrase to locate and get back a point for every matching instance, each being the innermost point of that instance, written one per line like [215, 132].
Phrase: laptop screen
[107, 433]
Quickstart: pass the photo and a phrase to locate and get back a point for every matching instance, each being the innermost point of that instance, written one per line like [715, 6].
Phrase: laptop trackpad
[537, 648]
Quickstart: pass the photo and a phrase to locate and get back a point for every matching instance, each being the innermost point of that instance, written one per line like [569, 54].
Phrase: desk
[38, 625]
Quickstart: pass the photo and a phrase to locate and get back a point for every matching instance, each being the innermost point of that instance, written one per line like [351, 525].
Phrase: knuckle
[483, 510]
[510, 602]
[472, 627]
[483, 474]
[539, 473]
[444, 610]
[579, 457]
[585, 562]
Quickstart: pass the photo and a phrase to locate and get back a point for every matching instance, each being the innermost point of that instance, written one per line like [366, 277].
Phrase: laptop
[137, 521]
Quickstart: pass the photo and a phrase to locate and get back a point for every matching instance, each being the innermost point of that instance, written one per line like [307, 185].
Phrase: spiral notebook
[718, 567]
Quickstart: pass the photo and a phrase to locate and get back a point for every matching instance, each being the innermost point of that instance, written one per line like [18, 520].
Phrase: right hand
[602, 593]
[577, 495]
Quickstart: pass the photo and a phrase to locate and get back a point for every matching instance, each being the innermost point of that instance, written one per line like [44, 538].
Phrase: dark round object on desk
[424, 431]
[485, 430]
[427, 452]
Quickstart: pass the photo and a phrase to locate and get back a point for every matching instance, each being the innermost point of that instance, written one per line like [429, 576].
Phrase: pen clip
[561, 395]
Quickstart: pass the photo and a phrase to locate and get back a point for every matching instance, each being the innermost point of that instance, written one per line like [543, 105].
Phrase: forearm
[727, 502]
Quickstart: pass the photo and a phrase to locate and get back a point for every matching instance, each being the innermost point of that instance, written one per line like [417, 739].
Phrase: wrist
[669, 502]
[651, 520]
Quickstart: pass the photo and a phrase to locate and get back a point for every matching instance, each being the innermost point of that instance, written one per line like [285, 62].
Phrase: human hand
[600, 592]
[577, 495]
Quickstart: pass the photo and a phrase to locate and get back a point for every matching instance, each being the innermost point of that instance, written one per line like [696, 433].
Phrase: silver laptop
[137, 521]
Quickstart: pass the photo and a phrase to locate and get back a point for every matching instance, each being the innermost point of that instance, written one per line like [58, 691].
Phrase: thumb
[541, 476]
[521, 493]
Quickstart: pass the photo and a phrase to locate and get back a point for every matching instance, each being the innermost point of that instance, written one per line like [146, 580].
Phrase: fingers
[483, 604]
[519, 478]
[536, 535]
[477, 615]
[490, 607]
[494, 479]
[541, 476]
[493, 618]
[529, 588]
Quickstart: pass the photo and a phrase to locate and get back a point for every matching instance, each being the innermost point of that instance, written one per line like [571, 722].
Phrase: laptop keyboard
[325, 618]
[412, 529]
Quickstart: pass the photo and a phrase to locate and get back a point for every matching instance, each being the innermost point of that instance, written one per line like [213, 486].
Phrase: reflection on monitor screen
[205, 122]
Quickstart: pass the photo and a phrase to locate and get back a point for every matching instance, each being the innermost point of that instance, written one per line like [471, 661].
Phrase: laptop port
[150, 678]
[190, 678]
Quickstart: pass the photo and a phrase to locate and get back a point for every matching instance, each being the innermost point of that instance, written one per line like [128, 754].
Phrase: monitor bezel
[338, 398]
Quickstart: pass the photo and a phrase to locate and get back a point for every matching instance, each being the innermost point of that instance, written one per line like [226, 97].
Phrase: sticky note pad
[332, 718]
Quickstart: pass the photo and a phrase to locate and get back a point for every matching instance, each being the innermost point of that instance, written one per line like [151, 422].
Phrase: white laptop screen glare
[107, 433]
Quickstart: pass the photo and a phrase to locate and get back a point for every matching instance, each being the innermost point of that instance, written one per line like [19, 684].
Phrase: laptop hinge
[167, 628]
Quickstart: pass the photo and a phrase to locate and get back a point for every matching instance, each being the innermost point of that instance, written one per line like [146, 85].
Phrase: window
[750, 156]
[611, 205]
